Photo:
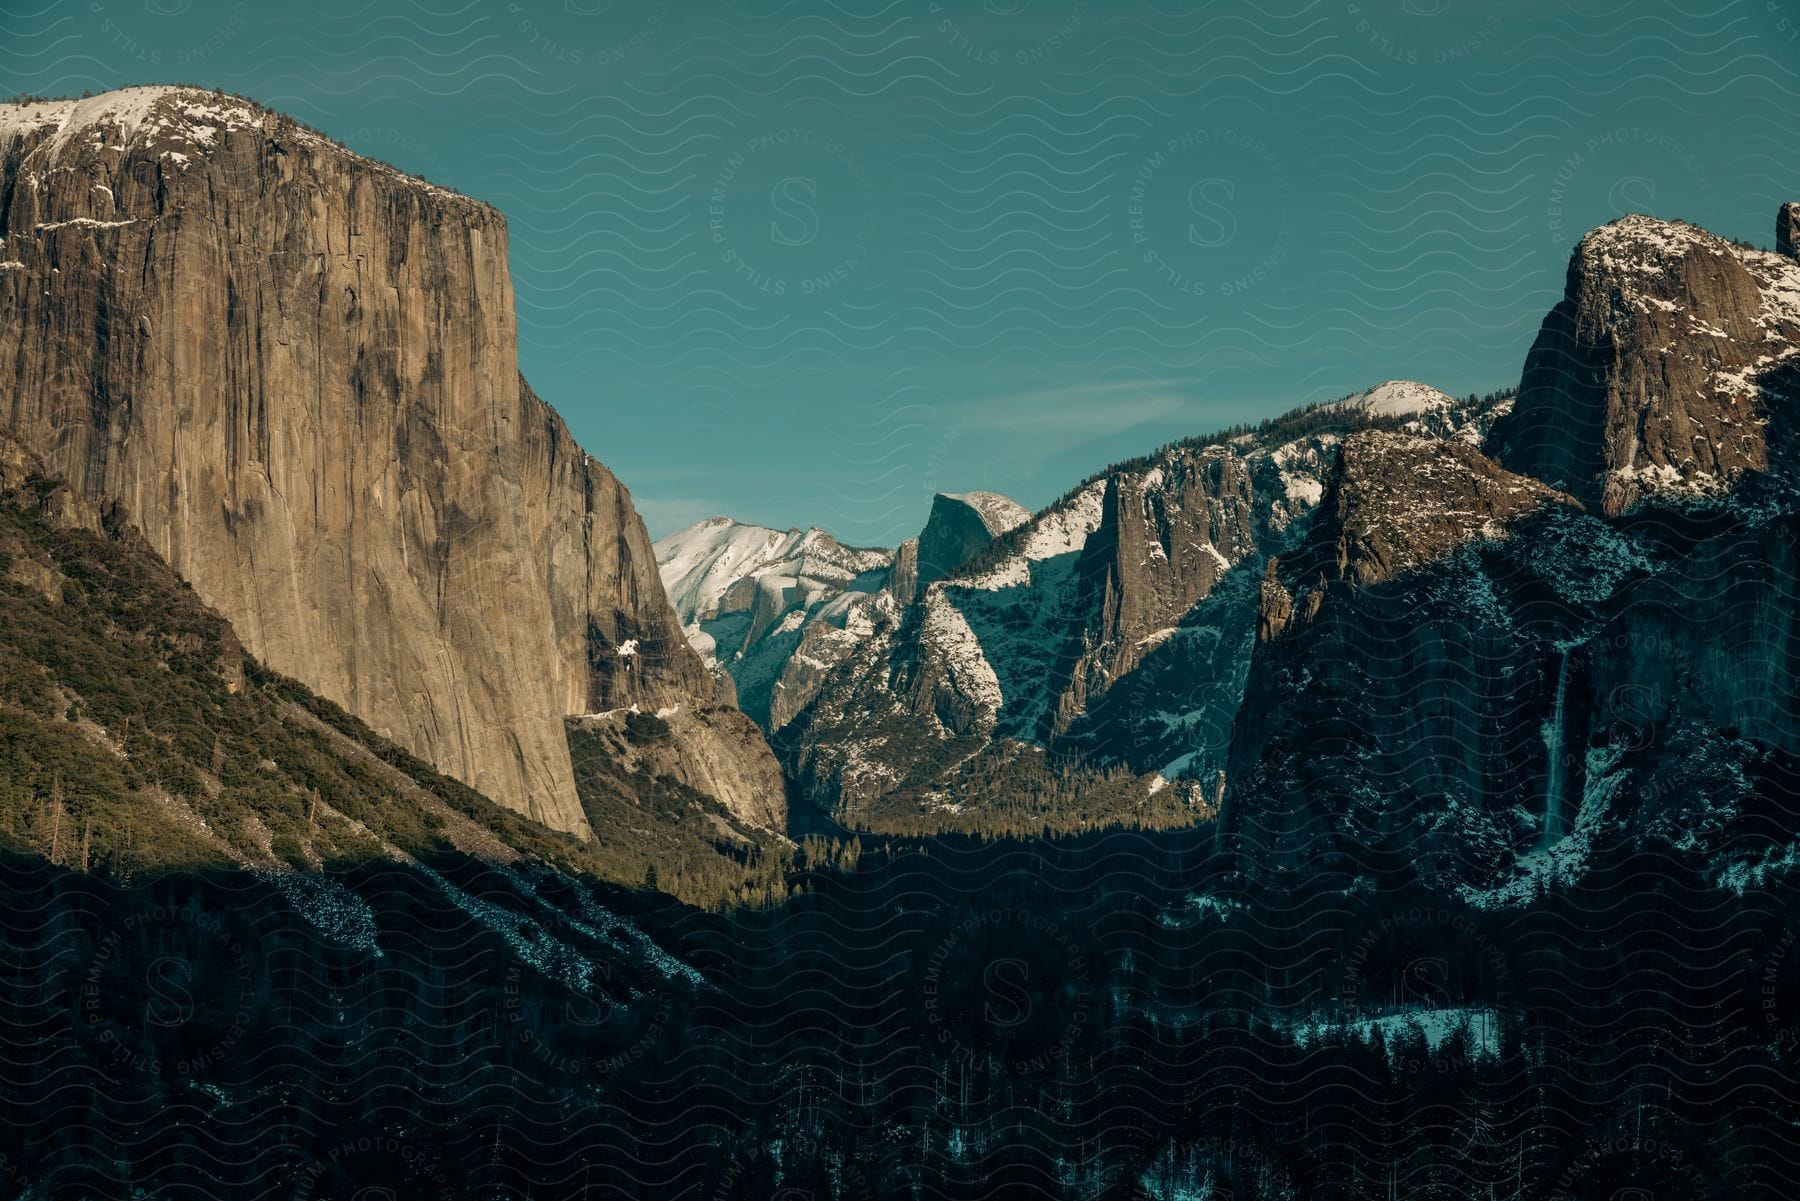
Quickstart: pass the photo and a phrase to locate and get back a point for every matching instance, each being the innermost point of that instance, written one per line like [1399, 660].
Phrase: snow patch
[1438, 1027]
[1062, 530]
[85, 222]
[947, 631]
[1399, 398]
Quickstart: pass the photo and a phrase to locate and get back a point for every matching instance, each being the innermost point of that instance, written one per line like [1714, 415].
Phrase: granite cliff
[295, 371]
[961, 525]
[1102, 643]
[1491, 674]
[1648, 379]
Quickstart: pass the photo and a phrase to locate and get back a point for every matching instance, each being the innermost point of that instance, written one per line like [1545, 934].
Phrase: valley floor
[1110, 1016]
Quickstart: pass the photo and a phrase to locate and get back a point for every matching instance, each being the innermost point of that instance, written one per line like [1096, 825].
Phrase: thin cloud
[664, 515]
[1068, 415]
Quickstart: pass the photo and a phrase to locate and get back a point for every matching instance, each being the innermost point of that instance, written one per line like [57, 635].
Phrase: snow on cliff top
[998, 513]
[1636, 233]
[180, 119]
[1060, 530]
[131, 111]
[1636, 248]
[1399, 398]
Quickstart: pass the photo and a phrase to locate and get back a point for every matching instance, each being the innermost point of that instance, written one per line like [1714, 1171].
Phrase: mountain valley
[1395, 796]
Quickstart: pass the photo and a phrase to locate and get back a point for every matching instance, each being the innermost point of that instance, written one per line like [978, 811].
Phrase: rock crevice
[295, 369]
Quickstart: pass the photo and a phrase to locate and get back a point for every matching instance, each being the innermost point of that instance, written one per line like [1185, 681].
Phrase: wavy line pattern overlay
[1502, 902]
[846, 246]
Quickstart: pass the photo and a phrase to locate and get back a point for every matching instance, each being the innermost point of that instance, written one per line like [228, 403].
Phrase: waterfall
[1553, 754]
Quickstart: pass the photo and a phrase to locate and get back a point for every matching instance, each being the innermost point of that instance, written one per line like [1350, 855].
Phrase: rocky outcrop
[1393, 701]
[1397, 501]
[295, 370]
[1167, 537]
[1646, 381]
[960, 526]
[830, 633]
[1112, 631]
[1275, 604]
[718, 752]
[1787, 229]
[1480, 698]
[903, 583]
[1465, 675]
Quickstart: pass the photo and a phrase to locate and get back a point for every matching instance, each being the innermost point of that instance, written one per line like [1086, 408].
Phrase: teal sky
[807, 262]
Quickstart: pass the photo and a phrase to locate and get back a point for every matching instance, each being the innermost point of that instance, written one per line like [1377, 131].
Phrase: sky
[808, 262]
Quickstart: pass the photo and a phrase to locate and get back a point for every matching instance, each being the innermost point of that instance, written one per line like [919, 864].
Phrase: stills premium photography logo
[952, 598]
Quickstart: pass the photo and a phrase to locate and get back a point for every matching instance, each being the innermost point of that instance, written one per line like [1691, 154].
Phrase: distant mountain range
[382, 811]
[1473, 634]
[773, 612]
[304, 393]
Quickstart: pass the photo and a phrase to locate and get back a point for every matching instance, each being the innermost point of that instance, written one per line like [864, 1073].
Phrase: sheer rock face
[1394, 504]
[1113, 629]
[903, 584]
[1393, 699]
[1470, 674]
[960, 526]
[1167, 537]
[1646, 380]
[1464, 674]
[295, 370]
[1397, 501]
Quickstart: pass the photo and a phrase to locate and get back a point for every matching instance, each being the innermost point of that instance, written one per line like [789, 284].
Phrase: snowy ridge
[993, 634]
[179, 123]
[1300, 467]
[1637, 245]
[946, 630]
[1062, 530]
[127, 113]
[1135, 653]
[772, 610]
[701, 563]
[1399, 398]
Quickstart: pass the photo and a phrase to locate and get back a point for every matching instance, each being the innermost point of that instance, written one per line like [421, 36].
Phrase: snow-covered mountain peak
[1400, 398]
[999, 513]
[700, 564]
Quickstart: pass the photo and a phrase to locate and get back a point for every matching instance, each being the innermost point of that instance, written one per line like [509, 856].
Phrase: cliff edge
[295, 369]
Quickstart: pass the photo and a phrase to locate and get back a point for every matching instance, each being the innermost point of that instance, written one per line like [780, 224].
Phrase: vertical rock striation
[1112, 630]
[960, 526]
[295, 370]
[1647, 379]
